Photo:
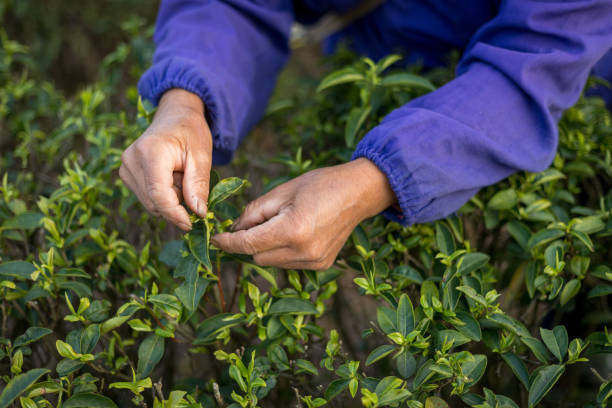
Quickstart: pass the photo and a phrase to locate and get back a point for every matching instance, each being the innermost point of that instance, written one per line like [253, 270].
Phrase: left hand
[303, 224]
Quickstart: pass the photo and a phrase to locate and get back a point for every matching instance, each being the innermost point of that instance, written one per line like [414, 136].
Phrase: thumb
[198, 158]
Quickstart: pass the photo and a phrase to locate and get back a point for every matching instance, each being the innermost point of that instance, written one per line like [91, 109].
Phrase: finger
[260, 210]
[177, 185]
[158, 182]
[288, 258]
[264, 237]
[131, 182]
[197, 176]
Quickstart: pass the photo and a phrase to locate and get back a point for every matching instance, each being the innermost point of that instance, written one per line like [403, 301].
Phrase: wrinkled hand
[304, 223]
[171, 160]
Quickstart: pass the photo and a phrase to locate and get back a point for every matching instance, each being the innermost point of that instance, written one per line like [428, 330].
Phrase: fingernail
[201, 208]
[184, 226]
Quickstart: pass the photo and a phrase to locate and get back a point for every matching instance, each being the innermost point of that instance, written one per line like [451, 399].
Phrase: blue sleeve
[227, 52]
[499, 115]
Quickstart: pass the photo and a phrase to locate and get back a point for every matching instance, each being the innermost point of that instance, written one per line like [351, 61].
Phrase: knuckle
[248, 245]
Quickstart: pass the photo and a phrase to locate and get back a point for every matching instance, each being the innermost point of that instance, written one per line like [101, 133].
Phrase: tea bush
[503, 305]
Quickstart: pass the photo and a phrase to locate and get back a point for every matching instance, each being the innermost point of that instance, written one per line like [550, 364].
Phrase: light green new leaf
[224, 189]
[341, 76]
[354, 123]
[406, 80]
[570, 290]
[503, 200]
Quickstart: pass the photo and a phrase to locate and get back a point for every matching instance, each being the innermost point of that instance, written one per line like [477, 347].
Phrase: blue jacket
[523, 63]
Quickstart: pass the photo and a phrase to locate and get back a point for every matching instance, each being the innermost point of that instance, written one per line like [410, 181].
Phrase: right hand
[171, 161]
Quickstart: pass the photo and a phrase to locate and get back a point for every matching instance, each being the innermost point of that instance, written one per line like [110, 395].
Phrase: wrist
[180, 101]
[375, 192]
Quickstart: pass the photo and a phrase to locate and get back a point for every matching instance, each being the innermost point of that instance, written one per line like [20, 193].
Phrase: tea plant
[101, 308]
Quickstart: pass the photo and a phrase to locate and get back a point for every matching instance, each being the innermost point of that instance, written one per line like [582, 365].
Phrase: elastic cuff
[401, 184]
[182, 73]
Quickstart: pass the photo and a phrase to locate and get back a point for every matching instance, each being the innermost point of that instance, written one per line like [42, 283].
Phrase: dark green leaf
[600, 290]
[518, 367]
[31, 335]
[556, 340]
[405, 315]
[211, 326]
[542, 380]
[520, 233]
[444, 239]
[335, 388]
[88, 400]
[387, 319]
[89, 338]
[17, 269]
[471, 328]
[292, 306]
[150, 352]
[536, 347]
[19, 384]
[451, 335]
[380, 352]
[472, 262]
[197, 240]
[23, 221]
[474, 368]
[406, 364]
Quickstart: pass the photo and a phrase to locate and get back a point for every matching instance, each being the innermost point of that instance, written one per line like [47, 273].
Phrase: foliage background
[69, 106]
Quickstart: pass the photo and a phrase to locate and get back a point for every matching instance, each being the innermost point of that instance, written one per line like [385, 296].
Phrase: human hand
[171, 160]
[303, 224]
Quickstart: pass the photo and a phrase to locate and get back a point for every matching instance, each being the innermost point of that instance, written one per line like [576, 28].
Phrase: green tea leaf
[354, 123]
[517, 366]
[503, 200]
[31, 335]
[341, 76]
[406, 80]
[19, 384]
[198, 241]
[406, 364]
[17, 269]
[89, 400]
[292, 306]
[405, 315]
[556, 340]
[570, 290]
[379, 353]
[150, 353]
[224, 189]
[541, 382]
